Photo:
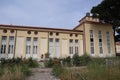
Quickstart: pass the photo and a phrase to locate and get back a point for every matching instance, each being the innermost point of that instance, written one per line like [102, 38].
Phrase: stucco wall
[99, 27]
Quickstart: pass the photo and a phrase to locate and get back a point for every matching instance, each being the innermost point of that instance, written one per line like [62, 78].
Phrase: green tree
[109, 12]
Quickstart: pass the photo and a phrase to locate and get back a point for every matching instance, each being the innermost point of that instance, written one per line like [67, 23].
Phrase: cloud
[49, 13]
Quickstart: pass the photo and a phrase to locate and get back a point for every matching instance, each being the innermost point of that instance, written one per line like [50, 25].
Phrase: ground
[41, 74]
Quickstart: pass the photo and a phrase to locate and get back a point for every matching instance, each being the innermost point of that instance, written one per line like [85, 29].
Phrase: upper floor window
[71, 35]
[71, 46]
[100, 41]
[76, 35]
[108, 42]
[51, 33]
[35, 32]
[29, 32]
[12, 31]
[5, 31]
[57, 34]
[91, 41]
[76, 46]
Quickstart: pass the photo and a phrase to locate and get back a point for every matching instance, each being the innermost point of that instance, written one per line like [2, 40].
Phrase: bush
[11, 62]
[32, 63]
[85, 59]
[76, 60]
[67, 61]
[57, 71]
[49, 63]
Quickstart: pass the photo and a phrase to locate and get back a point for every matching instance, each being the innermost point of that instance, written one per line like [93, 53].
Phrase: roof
[88, 21]
[38, 28]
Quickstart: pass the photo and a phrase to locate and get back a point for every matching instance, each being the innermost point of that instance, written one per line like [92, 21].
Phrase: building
[91, 36]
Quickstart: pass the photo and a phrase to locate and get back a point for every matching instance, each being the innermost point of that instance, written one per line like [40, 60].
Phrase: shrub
[33, 63]
[76, 60]
[49, 63]
[57, 71]
[25, 69]
[85, 59]
[67, 61]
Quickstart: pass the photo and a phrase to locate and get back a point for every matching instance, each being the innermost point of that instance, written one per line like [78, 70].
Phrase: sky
[45, 13]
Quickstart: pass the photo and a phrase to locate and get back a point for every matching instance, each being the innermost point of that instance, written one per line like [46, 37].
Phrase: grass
[16, 68]
[95, 70]
[13, 73]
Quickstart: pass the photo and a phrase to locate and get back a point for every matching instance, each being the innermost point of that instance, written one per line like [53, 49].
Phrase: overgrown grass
[16, 72]
[97, 69]
[16, 68]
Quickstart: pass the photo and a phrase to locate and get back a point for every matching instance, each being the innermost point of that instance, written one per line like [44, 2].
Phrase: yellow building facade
[91, 36]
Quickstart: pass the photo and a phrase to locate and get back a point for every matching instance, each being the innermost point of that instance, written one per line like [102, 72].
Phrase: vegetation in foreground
[94, 69]
[16, 68]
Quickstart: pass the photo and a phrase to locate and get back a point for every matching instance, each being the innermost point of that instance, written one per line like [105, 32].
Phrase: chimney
[87, 14]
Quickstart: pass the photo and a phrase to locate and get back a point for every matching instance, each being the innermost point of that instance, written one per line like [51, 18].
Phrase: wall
[104, 28]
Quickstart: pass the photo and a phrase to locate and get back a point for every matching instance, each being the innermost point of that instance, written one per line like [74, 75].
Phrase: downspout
[84, 45]
[48, 43]
[15, 43]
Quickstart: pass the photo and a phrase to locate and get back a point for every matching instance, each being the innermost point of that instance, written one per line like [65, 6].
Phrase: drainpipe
[15, 43]
[48, 42]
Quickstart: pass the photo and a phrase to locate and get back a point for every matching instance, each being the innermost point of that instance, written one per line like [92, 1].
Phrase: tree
[109, 12]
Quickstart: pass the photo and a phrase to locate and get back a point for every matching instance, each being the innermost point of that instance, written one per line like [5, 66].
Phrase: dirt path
[41, 74]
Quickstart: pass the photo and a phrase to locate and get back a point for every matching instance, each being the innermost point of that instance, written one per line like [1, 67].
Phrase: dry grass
[15, 74]
[92, 72]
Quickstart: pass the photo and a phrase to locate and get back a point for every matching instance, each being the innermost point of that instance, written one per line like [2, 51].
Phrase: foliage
[96, 70]
[16, 72]
[85, 59]
[49, 63]
[16, 68]
[31, 63]
[57, 70]
[76, 60]
[11, 62]
[67, 61]
[109, 12]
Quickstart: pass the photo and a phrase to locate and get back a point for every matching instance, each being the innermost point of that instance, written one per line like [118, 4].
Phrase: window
[35, 43]
[29, 32]
[57, 34]
[35, 32]
[28, 45]
[11, 45]
[71, 46]
[76, 46]
[108, 41]
[100, 42]
[91, 42]
[51, 33]
[3, 45]
[70, 35]
[12, 31]
[5, 31]
[50, 46]
[57, 47]
[76, 35]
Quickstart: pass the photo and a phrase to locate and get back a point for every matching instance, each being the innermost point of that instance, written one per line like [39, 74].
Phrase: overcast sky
[45, 13]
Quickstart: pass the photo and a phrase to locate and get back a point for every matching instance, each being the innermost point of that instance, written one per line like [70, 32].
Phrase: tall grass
[16, 68]
[95, 70]
[12, 73]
